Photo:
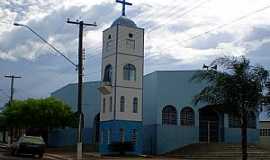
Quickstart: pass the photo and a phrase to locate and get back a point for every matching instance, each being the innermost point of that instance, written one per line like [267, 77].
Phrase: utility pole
[12, 77]
[80, 83]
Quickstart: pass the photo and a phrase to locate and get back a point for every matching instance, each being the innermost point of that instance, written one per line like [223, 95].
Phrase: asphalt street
[5, 155]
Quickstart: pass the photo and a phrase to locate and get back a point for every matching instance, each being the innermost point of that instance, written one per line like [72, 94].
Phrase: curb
[57, 156]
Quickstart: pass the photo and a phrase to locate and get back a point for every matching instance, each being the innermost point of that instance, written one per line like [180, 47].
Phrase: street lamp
[211, 67]
[40, 37]
[79, 68]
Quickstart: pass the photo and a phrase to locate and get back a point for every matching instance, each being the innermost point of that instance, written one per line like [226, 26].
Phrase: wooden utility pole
[12, 77]
[80, 83]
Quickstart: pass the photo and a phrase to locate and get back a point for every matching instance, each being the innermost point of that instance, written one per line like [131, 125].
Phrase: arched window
[129, 72]
[187, 117]
[135, 105]
[108, 73]
[169, 115]
[122, 104]
[251, 120]
[104, 105]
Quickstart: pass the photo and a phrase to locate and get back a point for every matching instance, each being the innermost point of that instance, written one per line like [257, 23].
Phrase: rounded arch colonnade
[170, 116]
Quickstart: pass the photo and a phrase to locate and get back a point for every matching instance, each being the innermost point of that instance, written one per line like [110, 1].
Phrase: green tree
[267, 96]
[38, 113]
[237, 87]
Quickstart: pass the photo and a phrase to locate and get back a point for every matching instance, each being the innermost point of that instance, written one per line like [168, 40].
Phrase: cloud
[54, 28]
[261, 55]
[258, 33]
[212, 40]
[169, 28]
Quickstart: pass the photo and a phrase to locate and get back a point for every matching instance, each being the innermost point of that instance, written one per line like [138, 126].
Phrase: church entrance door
[208, 125]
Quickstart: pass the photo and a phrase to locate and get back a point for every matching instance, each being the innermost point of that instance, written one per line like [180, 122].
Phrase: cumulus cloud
[169, 30]
[54, 28]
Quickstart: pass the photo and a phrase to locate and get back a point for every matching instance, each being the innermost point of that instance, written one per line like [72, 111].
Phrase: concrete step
[219, 152]
[218, 157]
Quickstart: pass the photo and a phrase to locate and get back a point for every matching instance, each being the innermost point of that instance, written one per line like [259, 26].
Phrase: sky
[179, 35]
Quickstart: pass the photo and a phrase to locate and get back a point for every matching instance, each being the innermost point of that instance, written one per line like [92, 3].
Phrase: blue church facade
[153, 112]
[170, 119]
[91, 110]
[189, 123]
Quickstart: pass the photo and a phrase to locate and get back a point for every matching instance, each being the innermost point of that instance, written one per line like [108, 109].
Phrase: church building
[154, 112]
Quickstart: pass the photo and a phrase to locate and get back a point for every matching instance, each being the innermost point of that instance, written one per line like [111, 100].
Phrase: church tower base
[121, 134]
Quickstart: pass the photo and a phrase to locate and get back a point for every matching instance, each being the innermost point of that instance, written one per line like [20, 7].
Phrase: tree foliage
[238, 88]
[38, 113]
[267, 97]
[238, 85]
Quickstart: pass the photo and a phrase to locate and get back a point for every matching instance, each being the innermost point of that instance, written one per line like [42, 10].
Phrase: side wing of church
[170, 118]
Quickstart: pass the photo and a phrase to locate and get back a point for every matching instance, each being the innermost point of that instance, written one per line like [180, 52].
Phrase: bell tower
[122, 86]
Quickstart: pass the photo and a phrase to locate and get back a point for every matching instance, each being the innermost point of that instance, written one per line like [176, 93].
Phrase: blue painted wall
[91, 99]
[91, 107]
[115, 126]
[150, 99]
[68, 137]
[174, 88]
[161, 88]
[173, 137]
[233, 135]
[150, 139]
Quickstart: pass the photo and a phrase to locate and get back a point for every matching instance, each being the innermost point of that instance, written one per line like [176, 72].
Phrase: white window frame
[111, 104]
[135, 104]
[104, 105]
[122, 104]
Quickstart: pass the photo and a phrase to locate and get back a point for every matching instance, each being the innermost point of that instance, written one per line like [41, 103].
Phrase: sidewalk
[96, 156]
[72, 156]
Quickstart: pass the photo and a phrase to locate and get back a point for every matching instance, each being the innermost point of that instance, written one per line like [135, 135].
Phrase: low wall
[233, 135]
[172, 137]
[149, 139]
[68, 137]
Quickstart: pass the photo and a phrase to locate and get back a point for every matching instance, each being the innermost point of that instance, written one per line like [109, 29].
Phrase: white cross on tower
[124, 3]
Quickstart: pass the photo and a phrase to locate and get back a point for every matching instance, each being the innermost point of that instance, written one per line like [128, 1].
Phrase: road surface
[5, 155]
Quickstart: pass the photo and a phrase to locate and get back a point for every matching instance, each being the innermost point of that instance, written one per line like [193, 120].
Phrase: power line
[220, 26]
[97, 49]
[40, 37]
[223, 25]
[168, 15]
[174, 11]
[56, 31]
[176, 6]
[181, 14]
